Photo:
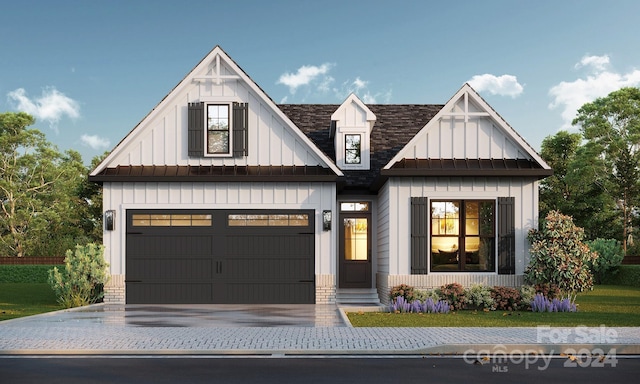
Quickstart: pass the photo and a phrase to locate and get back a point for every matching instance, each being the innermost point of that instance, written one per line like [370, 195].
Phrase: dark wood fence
[45, 260]
[631, 260]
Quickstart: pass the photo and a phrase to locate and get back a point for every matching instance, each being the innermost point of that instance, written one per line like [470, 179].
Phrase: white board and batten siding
[162, 137]
[457, 136]
[394, 234]
[272, 196]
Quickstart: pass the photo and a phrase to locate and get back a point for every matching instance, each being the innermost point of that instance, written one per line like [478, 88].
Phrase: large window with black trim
[463, 235]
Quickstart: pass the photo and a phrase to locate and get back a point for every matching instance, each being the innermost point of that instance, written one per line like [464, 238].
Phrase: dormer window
[351, 126]
[352, 149]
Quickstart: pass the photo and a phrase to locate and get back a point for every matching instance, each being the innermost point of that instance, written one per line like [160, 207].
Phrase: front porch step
[359, 296]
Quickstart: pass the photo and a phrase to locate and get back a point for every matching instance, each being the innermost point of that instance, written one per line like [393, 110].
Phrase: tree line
[47, 205]
[596, 173]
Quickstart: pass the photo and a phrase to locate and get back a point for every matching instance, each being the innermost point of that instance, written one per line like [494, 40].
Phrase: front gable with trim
[464, 167]
[255, 175]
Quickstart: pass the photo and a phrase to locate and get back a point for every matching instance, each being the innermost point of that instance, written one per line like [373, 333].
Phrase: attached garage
[220, 257]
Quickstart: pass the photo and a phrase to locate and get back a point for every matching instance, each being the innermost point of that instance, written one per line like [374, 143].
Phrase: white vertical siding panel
[139, 195]
[484, 137]
[256, 191]
[497, 143]
[446, 138]
[174, 193]
[291, 195]
[255, 131]
[244, 193]
[211, 195]
[458, 139]
[151, 193]
[233, 193]
[186, 193]
[163, 193]
[383, 229]
[268, 193]
[471, 139]
[158, 150]
[198, 193]
[279, 194]
[174, 134]
[276, 147]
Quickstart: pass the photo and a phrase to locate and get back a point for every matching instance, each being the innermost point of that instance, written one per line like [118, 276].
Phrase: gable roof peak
[354, 100]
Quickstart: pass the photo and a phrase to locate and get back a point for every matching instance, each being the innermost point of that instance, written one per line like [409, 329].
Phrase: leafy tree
[578, 186]
[40, 209]
[559, 256]
[611, 125]
[558, 151]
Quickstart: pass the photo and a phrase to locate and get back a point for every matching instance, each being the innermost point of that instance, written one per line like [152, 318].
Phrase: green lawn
[606, 304]
[26, 299]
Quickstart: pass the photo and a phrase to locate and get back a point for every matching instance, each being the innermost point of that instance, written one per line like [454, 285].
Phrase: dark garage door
[220, 257]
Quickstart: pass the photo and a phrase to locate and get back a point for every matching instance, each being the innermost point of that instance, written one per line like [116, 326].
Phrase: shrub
[628, 275]
[558, 255]
[506, 298]
[549, 291]
[527, 294]
[479, 295]
[423, 295]
[454, 294]
[81, 280]
[24, 273]
[404, 290]
[610, 254]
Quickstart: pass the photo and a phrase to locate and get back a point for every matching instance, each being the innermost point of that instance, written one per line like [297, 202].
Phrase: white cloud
[505, 85]
[361, 89]
[569, 96]
[51, 106]
[305, 76]
[95, 141]
[599, 63]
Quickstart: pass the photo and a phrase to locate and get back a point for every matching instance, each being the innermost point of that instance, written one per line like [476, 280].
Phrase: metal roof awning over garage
[155, 173]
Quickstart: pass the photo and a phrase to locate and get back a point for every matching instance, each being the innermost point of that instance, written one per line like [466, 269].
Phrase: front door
[355, 245]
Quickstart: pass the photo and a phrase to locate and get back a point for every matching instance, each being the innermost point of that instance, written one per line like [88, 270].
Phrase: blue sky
[89, 71]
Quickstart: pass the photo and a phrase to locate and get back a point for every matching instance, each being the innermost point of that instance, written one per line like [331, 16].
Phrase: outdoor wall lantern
[326, 220]
[110, 220]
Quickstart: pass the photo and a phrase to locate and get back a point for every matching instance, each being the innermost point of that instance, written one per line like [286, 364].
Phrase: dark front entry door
[355, 250]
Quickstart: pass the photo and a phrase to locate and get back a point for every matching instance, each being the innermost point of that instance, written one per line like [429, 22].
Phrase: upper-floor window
[218, 129]
[352, 149]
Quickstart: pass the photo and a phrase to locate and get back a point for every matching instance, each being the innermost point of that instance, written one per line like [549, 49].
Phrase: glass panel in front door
[355, 239]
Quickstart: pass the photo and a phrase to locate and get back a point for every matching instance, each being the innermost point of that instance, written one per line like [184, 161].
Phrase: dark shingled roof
[395, 125]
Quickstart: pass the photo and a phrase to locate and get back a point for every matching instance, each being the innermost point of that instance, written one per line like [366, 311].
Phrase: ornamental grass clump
[400, 305]
[543, 304]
